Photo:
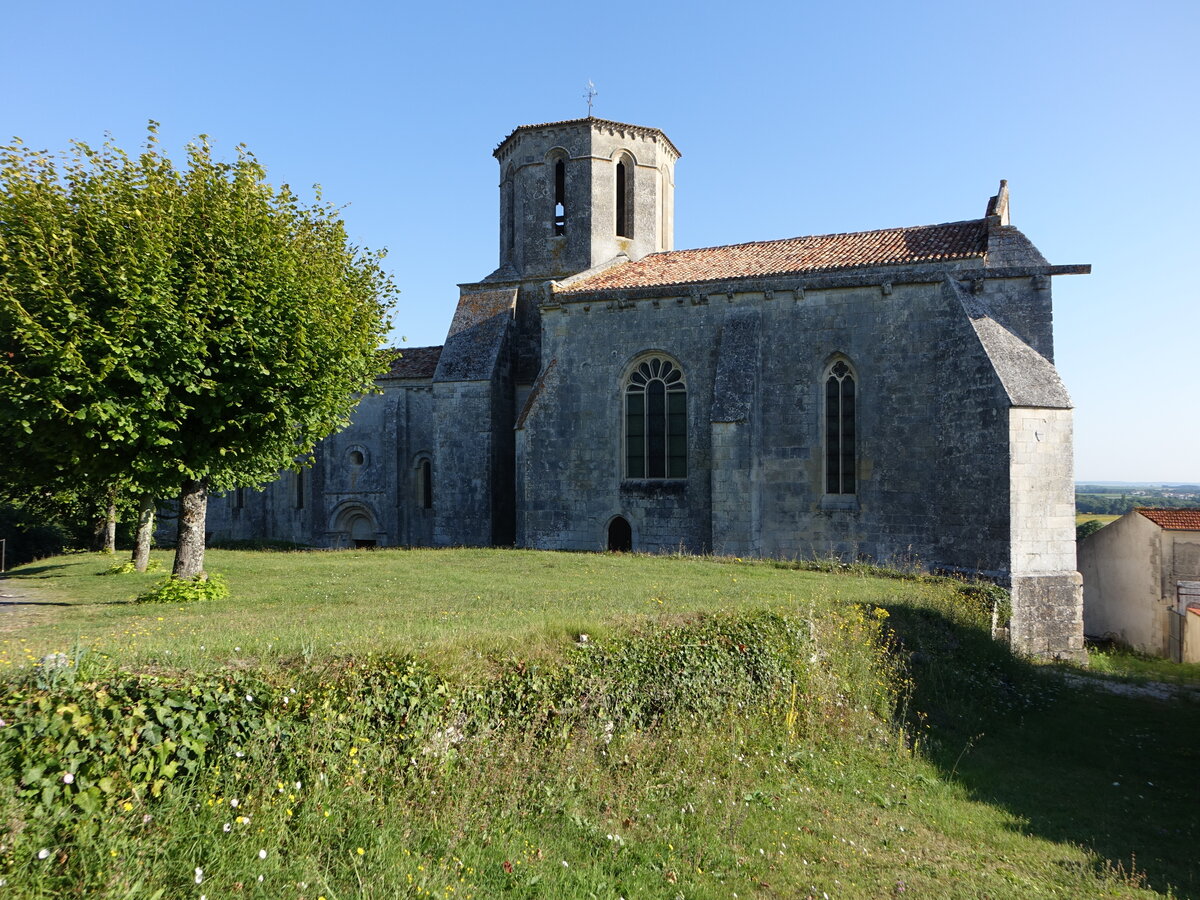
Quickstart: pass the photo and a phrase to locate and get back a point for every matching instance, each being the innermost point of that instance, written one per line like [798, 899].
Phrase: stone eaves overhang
[590, 121]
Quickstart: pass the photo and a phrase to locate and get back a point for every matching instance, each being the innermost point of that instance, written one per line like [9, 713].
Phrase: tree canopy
[168, 328]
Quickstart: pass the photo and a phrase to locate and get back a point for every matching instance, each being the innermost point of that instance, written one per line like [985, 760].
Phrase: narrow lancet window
[510, 214]
[560, 197]
[622, 200]
[425, 484]
[656, 421]
[840, 439]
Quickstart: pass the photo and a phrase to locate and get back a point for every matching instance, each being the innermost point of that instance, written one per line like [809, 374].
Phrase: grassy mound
[393, 724]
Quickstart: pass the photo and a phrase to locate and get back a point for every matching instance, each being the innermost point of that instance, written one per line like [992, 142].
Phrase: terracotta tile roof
[815, 253]
[1172, 519]
[607, 123]
[414, 362]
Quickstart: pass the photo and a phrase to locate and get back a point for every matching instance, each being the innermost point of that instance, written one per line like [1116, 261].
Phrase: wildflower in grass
[226, 827]
[68, 778]
[43, 853]
[199, 875]
[360, 851]
[262, 854]
[233, 802]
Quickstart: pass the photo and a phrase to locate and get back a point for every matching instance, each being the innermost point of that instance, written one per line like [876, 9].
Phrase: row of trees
[1094, 504]
[167, 332]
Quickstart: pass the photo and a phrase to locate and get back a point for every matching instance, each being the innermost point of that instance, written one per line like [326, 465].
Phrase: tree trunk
[141, 544]
[189, 550]
[110, 523]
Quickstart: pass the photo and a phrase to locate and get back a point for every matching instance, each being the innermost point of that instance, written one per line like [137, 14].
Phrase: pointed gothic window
[656, 420]
[840, 442]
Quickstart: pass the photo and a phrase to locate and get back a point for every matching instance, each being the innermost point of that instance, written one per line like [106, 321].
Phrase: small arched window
[841, 458]
[510, 212]
[624, 198]
[656, 420]
[425, 483]
[560, 197]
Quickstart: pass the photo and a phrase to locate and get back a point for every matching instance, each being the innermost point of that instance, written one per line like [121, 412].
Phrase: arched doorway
[620, 535]
[355, 525]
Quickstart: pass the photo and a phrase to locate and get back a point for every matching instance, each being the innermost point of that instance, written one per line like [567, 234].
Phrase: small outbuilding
[1141, 582]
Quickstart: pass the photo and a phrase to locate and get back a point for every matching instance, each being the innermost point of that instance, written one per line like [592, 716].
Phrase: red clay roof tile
[815, 253]
[414, 362]
[1172, 519]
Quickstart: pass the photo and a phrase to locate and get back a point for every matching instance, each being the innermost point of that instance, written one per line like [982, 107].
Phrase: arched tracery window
[840, 440]
[656, 420]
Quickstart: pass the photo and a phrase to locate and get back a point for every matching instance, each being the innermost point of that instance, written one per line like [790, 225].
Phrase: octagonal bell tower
[577, 193]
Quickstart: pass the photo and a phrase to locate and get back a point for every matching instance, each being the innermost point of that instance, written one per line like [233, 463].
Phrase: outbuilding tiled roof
[414, 362]
[801, 255]
[1173, 519]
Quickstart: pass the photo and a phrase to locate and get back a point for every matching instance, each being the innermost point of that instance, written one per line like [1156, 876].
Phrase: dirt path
[20, 607]
[1157, 690]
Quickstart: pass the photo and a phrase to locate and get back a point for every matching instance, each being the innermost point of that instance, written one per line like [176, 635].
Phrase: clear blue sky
[793, 118]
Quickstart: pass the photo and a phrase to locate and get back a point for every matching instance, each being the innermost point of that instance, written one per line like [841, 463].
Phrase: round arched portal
[356, 526]
[620, 535]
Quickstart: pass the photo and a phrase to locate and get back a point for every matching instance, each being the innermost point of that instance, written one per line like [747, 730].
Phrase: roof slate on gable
[414, 362]
[1172, 519]
[801, 255]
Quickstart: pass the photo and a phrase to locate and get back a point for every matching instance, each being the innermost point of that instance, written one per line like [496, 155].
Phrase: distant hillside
[1117, 498]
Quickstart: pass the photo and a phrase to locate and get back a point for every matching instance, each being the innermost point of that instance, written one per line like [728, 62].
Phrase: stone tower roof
[589, 120]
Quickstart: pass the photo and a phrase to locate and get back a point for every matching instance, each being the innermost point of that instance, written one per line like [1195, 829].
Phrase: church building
[883, 395]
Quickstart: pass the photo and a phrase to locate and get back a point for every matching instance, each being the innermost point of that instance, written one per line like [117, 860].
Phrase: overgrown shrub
[127, 567]
[186, 590]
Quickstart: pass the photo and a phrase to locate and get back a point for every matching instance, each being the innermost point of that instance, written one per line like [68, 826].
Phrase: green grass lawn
[1080, 518]
[913, 757]
[458, 607]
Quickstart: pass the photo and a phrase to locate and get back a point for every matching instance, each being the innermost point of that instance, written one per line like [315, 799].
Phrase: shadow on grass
[1115, 774]
[31, 570]
[31, 603]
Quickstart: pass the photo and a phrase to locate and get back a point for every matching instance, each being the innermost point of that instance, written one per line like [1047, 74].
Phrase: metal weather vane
[590, 95]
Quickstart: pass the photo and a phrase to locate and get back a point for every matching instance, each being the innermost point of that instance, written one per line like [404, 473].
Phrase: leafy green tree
[176, 330]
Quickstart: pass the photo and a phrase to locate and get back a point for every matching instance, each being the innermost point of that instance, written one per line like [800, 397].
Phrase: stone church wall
[932, 487]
